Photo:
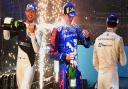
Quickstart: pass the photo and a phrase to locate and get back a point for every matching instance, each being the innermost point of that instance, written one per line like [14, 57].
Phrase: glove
[86, 33]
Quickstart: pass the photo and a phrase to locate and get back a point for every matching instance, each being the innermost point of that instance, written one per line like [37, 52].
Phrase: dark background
[91, 16]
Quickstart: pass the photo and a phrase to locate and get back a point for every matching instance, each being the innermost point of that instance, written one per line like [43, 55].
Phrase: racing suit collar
[67, 25]
[111, 29]
[26, 22]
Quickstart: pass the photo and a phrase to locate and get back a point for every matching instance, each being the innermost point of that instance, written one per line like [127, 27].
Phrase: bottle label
[7, 20]
[72, 82]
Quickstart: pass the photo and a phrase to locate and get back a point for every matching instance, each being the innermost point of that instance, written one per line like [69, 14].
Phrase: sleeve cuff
[33, 37]
[88, 38]
[64, 57]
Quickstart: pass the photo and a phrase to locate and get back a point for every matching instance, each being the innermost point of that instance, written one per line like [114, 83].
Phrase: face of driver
[30, 12]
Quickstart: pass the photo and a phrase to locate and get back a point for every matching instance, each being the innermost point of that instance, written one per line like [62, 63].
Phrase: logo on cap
[31, 6]
[69, 9]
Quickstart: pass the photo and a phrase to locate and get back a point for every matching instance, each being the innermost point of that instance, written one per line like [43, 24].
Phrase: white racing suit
[108, 52]
[24, 69]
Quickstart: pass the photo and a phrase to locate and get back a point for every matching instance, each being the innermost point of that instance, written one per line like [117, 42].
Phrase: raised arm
[83, 37]
[33, 36]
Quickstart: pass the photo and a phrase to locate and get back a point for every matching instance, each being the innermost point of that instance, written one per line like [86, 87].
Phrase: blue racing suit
[64, 40]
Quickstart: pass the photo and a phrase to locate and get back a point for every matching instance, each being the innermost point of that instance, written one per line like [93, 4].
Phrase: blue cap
[112, 19]
[69, 9]
[31, 6]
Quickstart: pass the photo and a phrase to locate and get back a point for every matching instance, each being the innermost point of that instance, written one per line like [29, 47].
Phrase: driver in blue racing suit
[64, 40]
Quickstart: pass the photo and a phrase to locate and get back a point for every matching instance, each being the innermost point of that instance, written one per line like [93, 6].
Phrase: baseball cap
[69, 9]
[31, 6]
[112, 19]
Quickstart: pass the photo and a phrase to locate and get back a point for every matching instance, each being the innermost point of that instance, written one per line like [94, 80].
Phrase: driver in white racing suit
[108, 52]
[27, 48]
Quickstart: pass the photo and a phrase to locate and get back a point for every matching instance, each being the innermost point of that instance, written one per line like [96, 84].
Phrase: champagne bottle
[12, 24]
[72, 75]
